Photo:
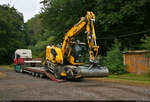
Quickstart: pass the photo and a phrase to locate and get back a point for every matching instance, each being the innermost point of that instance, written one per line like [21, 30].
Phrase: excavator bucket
[93, 71]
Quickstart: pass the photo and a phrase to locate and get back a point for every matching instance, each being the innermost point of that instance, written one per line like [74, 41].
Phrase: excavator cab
[78, 51]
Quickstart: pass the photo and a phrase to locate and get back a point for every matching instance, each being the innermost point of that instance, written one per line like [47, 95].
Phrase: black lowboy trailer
[25, 63]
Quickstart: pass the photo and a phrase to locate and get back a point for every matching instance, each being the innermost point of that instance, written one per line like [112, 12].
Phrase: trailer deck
[40, 72]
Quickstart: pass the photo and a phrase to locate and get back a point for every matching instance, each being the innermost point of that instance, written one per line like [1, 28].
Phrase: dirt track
[18, 86]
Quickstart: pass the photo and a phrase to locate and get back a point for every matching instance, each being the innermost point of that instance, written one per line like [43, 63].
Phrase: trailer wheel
[33, 73]
[41, 75]
[36, 74]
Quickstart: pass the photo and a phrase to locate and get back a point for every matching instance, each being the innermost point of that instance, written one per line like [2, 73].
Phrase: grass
[128, 78]
[7, 66]
[2, 75]
[133, 77]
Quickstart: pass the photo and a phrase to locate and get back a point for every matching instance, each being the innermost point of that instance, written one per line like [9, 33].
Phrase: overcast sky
[28, 7]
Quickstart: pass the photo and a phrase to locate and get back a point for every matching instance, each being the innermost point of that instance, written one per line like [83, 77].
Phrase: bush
[146, 44]
[38, 50]
[114, 59]
[148, 73]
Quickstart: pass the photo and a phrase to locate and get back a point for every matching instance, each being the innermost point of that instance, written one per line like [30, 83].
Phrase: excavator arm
[91, 36]
[87, 23]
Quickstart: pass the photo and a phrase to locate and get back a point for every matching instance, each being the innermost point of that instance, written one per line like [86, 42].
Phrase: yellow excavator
[64, 60]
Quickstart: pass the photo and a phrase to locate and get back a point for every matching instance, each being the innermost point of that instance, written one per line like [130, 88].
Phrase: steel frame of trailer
[40, 70]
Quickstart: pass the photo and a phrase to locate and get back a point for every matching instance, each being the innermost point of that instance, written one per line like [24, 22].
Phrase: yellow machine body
[54, 57]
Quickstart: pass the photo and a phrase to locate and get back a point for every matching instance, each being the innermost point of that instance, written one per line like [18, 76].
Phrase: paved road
[19, 86]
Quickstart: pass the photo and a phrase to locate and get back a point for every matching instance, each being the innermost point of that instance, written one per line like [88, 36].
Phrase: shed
[136, 61]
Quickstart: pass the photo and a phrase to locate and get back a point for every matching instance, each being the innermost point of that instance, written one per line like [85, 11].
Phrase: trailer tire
[41, 75]
[33, 73]
[36, 74]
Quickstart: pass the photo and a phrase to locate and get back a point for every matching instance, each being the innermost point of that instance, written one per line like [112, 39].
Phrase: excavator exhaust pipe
[94, 71]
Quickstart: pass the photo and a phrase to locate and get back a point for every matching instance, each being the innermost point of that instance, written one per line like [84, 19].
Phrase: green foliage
[148, 73]
[34, 30]
[122, 17]
[119, 11]
[114, 59]
[39, 48]
[37, 36]
[146, 44]
[60, 15]
[131, 77]
[11, 33]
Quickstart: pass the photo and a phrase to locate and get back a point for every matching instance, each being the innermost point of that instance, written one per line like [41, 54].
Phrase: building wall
[137, 63]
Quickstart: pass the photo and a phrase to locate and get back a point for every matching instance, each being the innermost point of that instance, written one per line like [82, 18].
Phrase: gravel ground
[21, 86]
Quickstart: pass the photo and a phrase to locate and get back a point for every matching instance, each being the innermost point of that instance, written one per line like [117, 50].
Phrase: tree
[114, 59]
[34, 30]
[11, 33]
[146, 44]
[118, 18]
[60, 15]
